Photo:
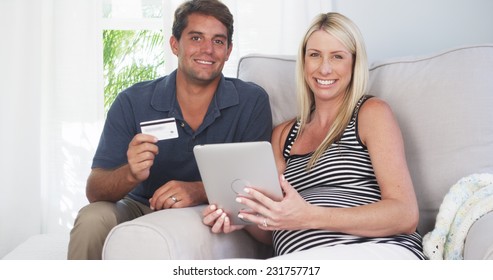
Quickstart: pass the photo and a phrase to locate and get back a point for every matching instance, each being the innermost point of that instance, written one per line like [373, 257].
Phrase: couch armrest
[178, 234]
[479, 241]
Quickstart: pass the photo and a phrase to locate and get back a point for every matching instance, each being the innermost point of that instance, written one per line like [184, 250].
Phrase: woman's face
[328, 66]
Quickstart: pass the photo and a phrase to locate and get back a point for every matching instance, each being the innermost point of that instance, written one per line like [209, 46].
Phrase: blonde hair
[349, 35]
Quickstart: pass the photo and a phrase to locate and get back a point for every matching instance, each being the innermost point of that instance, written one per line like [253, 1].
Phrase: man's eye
[219, 42]
[195, 38]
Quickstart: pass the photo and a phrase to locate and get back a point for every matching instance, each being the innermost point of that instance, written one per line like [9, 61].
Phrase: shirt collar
[164, 96]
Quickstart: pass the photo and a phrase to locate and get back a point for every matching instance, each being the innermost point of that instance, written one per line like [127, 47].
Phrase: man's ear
[230, 49]
[173, 43]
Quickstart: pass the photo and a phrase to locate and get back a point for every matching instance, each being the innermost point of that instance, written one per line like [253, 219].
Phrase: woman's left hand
[289, 214]
[218, 220]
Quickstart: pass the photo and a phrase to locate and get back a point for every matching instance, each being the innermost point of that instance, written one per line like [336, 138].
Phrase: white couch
[444, 104]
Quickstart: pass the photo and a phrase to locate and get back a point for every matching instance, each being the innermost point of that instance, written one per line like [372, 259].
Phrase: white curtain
[72, 106]
[51, 107]
[20, 81]
[51, 98]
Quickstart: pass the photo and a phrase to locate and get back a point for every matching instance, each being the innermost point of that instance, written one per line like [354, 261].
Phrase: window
[133, 44]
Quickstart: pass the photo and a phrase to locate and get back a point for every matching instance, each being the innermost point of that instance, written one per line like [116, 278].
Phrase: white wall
[419, 27]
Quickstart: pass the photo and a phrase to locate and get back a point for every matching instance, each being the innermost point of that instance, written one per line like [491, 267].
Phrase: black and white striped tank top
[342, 177]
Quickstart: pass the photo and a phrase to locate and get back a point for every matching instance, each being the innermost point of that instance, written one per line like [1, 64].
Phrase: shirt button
[182, 124]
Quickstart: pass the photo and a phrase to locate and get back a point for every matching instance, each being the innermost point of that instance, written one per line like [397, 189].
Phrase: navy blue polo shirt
[239, 112]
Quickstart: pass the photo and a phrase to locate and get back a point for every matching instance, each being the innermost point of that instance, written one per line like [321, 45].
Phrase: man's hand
[141, 153]
[178, 194]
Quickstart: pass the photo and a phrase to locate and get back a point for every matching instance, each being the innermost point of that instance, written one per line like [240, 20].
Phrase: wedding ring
[265, 223]
[174, 199]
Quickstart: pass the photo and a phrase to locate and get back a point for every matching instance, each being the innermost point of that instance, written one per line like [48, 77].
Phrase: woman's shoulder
[283, 128]
[374, 107]
[280, 133]
[375, 119]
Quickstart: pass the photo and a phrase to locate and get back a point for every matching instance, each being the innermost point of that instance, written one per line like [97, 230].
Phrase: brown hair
[213, 8]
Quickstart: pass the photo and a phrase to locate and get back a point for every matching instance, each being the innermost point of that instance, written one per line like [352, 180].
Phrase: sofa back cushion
[276, 74]
[444, 106]
[443, 103]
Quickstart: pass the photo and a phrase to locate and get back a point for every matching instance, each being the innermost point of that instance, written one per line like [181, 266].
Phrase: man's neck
[194, 100]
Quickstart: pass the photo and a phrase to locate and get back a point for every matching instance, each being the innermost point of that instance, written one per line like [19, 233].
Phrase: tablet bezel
[227, 166]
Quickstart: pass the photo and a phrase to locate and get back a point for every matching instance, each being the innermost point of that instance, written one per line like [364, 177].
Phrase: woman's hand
[289, 214]
[218, 220]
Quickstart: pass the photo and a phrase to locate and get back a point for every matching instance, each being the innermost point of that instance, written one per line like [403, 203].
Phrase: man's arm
[113, 185]
[109, 185]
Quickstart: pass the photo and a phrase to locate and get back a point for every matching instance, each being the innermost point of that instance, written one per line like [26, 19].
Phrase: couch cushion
[164, 235]
[276, 74]
[444, 106]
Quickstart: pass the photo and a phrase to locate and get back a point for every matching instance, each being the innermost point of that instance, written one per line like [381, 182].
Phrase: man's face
[202, 49]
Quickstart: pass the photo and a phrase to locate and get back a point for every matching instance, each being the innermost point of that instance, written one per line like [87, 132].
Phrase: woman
[345, 175]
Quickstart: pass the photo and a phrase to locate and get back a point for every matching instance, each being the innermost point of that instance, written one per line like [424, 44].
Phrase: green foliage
[130, 56]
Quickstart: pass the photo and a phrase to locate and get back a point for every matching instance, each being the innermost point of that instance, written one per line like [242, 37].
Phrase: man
[134, 173]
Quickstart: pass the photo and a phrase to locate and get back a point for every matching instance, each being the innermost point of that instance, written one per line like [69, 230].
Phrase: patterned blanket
[468, 200]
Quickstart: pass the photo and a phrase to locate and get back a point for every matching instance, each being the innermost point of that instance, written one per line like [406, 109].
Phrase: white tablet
[226, 169]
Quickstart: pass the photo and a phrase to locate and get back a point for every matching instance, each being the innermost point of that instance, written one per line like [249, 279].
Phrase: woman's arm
[397, 212]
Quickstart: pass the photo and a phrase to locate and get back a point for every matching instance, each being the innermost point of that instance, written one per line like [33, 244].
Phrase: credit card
[161, 129]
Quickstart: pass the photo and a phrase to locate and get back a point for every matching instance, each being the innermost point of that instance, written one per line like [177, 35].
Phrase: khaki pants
[95, 221]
